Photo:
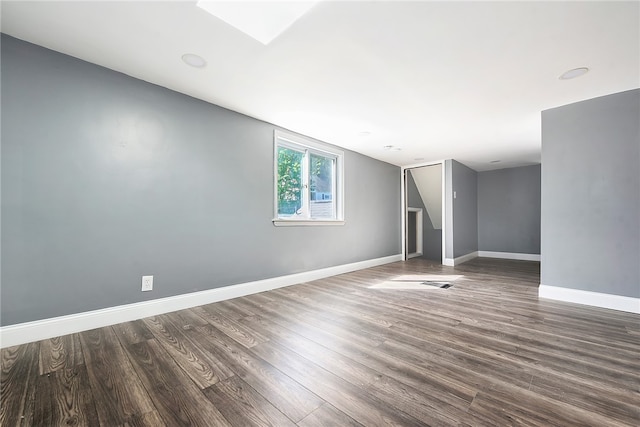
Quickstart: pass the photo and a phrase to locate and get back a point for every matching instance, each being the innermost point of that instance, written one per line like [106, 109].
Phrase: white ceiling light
[576, 72]
[262, 20]
[194, 60]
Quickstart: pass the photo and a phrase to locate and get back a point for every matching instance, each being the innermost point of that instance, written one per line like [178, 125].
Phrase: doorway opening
[424, 212]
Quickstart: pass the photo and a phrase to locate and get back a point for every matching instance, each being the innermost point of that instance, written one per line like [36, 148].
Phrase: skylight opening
[261, 20]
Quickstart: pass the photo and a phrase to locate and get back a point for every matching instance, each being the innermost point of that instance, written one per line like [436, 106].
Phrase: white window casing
[326, 213]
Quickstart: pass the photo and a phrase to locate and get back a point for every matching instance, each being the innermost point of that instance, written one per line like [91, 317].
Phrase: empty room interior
[320, 213]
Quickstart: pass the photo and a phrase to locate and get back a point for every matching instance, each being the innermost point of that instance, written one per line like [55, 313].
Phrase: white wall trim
[444, 213]
[459, 260]
[509, 255]
[596, 299]
[279, 222]
[57, 326]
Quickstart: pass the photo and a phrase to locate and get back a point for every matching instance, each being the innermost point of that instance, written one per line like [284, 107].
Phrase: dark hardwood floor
[485, 352]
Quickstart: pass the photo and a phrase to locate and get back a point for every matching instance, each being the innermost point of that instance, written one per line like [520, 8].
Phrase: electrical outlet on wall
[147, 283]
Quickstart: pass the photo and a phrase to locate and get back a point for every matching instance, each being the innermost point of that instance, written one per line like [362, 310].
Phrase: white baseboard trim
[596, 299]
[451, 262]
[509, 255]
[57, 326]
[489, 254]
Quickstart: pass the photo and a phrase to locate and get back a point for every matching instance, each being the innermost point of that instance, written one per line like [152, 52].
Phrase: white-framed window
[308, 182]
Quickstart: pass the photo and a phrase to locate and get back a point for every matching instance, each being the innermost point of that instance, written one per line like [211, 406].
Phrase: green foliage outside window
[289, 181]
[298, 168]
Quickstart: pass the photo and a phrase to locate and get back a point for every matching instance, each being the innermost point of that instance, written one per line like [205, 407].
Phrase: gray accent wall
[493, 211]
[464, 200]
[106, 178]
[591, 195]
[509, 210]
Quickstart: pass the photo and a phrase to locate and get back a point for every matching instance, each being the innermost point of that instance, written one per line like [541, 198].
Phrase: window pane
[289, 181]
[321, 186]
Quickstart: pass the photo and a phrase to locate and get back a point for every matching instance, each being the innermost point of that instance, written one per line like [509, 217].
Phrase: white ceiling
[463, 80]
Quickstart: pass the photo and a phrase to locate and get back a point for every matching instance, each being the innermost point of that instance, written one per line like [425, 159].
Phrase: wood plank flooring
[333, 352]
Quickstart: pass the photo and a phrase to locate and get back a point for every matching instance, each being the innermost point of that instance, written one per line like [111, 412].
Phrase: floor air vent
[441, 285]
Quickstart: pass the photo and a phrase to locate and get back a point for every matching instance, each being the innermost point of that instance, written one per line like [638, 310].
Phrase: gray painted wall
[464, 184]
[591, 195]
[431, 237]
[412, 241]
[509, 210]
[106, 178]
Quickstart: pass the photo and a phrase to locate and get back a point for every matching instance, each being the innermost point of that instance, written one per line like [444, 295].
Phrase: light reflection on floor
[416, 281]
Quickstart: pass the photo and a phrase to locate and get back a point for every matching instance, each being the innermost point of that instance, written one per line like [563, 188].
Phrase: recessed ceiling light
[364, 133]
[418, 158]
[494, 161]
[576, 72]
[194, 60]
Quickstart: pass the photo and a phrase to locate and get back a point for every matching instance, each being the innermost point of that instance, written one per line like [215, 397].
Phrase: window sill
[306, 222]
